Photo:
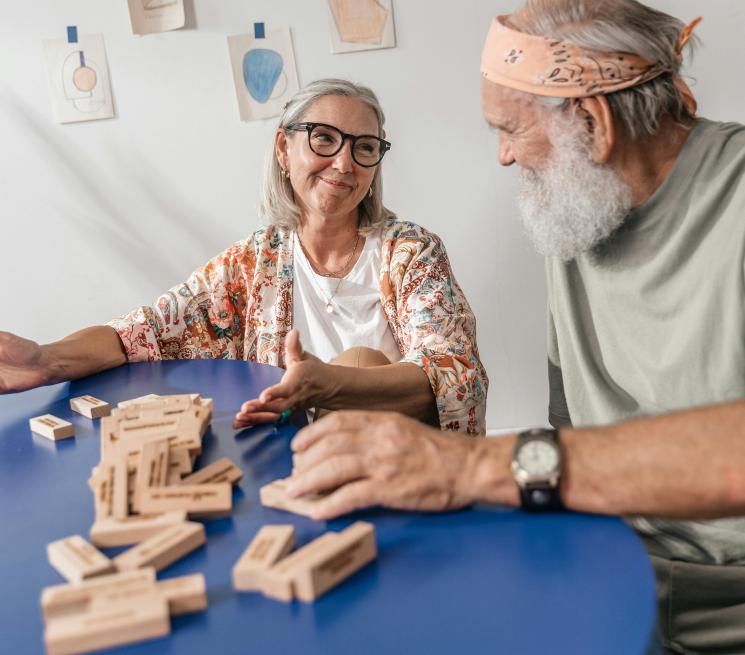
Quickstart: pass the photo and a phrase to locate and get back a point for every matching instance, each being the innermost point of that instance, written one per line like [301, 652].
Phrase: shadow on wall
[103, 217]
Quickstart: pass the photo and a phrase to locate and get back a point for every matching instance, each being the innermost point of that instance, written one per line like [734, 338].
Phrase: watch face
[538, 458]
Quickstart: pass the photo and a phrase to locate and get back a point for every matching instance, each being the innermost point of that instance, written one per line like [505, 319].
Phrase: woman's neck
[328, 241]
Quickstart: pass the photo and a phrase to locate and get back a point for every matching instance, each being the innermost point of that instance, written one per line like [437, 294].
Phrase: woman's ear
[599, 117]
[280, 149]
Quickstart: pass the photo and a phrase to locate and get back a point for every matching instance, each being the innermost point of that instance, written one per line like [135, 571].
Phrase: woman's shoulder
[265, 238]
[395, 229]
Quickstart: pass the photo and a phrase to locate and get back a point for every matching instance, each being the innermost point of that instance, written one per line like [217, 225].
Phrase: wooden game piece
[336, 561]
[198, 500]
[179, 461]
[133, 529]
[162, 549]
[102, 484]
[270, 544]
[223, 470]
[139, 400]
[275, 495]
[185, 594]
[75, 559]
[64, 599]
[277, 581]
[120, 493]
[108, 625]
[126, 438]
[51, 427]
[152, 469]
[90, 407]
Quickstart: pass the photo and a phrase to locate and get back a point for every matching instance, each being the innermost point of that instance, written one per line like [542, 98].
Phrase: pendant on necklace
[329, 308]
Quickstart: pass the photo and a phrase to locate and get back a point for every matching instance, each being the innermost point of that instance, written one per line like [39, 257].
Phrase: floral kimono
[239, 306]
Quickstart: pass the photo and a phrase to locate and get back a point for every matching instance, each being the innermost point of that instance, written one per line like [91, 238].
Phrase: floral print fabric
[239, 306]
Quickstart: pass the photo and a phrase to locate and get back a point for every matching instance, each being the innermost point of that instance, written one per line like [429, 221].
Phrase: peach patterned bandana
[551, 67]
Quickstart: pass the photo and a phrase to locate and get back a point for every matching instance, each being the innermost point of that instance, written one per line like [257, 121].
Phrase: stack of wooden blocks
[144, 491]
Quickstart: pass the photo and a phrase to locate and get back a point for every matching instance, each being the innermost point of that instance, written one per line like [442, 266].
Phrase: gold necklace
[328, 299]
[331, 273]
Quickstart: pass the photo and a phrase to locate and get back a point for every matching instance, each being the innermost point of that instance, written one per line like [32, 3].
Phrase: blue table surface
[482, 580]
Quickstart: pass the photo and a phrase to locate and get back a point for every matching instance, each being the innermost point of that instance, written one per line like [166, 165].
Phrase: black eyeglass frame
[385, 146]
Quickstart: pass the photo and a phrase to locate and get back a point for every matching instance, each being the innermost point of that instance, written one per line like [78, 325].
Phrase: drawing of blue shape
[261, 70]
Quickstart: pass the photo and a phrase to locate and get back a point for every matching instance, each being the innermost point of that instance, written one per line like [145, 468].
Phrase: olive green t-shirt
[653, 320]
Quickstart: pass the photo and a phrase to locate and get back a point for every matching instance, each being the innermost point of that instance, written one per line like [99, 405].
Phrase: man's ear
[280, 149]
[597, 112]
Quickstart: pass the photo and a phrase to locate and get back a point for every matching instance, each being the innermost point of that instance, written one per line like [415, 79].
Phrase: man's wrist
[486, 476]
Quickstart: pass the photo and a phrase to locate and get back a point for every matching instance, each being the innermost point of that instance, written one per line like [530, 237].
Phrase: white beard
[572, 204]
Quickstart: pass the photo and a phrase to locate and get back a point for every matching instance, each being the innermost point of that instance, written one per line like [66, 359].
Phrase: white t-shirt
[357, 318]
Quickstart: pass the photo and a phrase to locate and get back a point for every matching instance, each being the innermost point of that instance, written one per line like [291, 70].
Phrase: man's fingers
[328, 474]
[335, 443]
[329, 424]
[349, 498]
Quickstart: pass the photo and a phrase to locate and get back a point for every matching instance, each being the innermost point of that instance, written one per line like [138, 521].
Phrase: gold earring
[286, 174]
[370, 192]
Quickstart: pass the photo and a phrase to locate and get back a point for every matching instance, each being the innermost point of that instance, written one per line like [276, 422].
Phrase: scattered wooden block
[275, 495]
[328, 566]
[277, 582]
[185, 594]
[139, 400]
[51, 427]
[65, 599]
[152, 468]
[133, 529]
[90, 407]
[108, 625]
[270, 544]
[198, 500]
[162, 549]
[75, 559]
[223, 470]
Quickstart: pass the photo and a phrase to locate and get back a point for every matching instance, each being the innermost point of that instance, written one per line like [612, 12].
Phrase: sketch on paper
[361, 25]
[78, 78]
[263, 72]
[153, 16]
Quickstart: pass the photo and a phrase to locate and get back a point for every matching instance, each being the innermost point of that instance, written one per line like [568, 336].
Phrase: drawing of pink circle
[84, 78]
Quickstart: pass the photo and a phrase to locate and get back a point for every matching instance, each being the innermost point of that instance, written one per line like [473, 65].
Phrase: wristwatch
[536, 467]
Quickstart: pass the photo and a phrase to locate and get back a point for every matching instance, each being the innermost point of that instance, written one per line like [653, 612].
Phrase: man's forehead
[502, 106]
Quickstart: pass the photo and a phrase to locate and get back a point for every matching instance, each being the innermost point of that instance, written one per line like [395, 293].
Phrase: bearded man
[639, 207]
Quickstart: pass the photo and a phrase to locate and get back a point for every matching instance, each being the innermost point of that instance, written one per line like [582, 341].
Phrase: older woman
[372, 295]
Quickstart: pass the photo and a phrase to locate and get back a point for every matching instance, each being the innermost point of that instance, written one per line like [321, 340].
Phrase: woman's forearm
[82, 353]
[402, 387]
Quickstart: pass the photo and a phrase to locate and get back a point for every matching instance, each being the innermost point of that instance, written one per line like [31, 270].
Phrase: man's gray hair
[278, 204]
[619, 26]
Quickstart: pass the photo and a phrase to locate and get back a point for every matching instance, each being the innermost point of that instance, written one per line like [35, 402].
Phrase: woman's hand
[307, 382]
[21, 364]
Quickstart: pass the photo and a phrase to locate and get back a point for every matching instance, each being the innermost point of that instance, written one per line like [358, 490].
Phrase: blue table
[484, 580]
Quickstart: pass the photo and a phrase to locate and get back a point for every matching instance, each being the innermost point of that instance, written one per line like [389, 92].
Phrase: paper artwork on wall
[153, 16]
[361, 25]
[78, 78]
[263, 71]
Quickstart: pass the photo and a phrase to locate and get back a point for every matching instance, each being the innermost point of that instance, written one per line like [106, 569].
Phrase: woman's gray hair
[278, 204]
[619, 26]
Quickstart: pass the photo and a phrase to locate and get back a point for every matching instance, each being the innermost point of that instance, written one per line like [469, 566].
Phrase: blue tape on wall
[72, 34]
[259, 31]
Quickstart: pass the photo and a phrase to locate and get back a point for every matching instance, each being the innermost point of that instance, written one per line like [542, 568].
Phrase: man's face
[568, 203]
[523, 138]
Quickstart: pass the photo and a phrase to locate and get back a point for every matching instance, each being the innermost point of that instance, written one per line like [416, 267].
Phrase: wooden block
[185, 594]
[75, 559]
[108, 625]
[139, 400]
[162, 549]
[270, 544]
[51, 427]
[328, 566]
[198, 500]
[126, 438]
[65, 599]
[90, 407]
[152, 469]
[102, 483]
[179, 461]
[120, 494]
[277, 582]
[133, 529]
[274, 495]
[223, 470]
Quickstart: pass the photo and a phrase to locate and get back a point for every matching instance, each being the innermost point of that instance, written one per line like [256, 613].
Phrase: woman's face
[329, 186]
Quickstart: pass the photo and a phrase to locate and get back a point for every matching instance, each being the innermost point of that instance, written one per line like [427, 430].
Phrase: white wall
[99, 217]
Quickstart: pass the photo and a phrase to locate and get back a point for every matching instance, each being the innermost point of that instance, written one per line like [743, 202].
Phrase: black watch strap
[540, 496]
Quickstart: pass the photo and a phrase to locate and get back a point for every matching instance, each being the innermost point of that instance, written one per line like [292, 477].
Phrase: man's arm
[687, 464]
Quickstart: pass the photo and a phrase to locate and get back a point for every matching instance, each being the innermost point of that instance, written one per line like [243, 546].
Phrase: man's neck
[646, 164]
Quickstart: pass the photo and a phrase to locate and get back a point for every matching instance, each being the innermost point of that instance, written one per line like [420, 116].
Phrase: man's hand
[382, 458]
[305, 384]
[21, 364]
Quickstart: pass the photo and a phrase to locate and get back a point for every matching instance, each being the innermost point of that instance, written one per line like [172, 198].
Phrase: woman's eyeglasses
[327, 141]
